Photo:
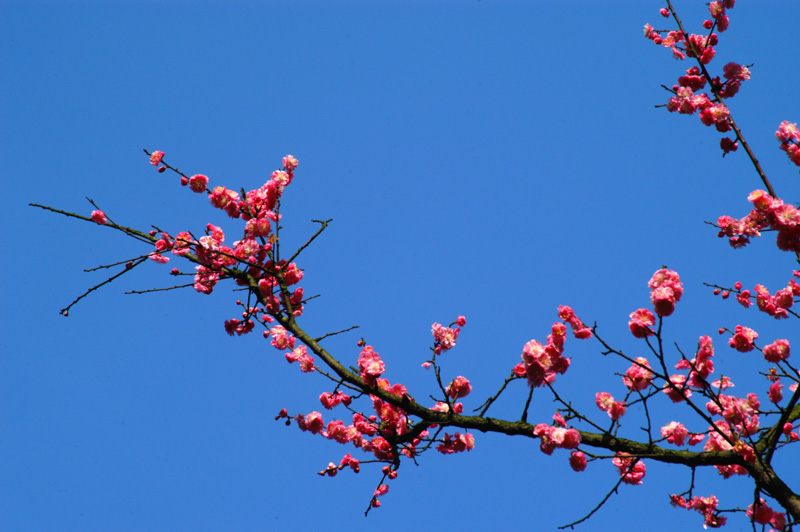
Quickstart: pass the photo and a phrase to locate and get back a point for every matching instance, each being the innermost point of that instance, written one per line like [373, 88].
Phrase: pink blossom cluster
[257, 209]
[370, 365]
[631, 469]
[767, 213]
[445, 337]
[777, 351]
[552, 437]
[702, 365]
[457, 443]
[677, 434]
[775, 305]
[685, 100]
[236, 327]
[300, 354]
[281, 338]
[579, 330]
[638, 377]
[393, 419]
[739, 413]
[329, 400]
[460, 387]
[606, 403]
[743, 338]
[707, 506]
[719, 438]
[541, 363]
[666, 290]
[789, 137]
[762, 514]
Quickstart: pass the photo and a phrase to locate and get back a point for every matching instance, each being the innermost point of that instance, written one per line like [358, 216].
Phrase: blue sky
[490, 159]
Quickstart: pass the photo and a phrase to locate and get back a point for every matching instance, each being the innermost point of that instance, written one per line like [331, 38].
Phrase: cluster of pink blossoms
[789, 137]
[777, 305]
[606, 402]
[677, 434]
[767, 213]
[552, 437]
[707, 506]
[666, 290]
[445, 337]
[712, 111]
[631, 469]
[250, 253]
[541, 363]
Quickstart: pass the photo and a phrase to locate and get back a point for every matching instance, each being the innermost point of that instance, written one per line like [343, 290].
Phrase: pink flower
[461, 321]
[281, 178]
[281, 339]
[760, 512]
[300, 354]
[675, 433]
[666, 291]
[606, 402]
[707, 507]
[155, 157]
[290, 163]
[312, 422]
[554, 437]
[775, 392]
[632, 470]
[776, 351]
[640, 323]
[99, 217]
[457, 443]
[723, 383]
[542, 363]
[743, 339]
[225, 199]
[370, 365]
[460, 387]
[638, 377]
[677, 390]
[577, 461]
[444, 336]
[349, 461]
[198, 183]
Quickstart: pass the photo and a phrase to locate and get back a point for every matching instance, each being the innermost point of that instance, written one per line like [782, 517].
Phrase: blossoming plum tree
[381, 422]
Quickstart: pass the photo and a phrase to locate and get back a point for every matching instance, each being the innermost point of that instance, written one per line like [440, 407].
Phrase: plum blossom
[577, 461]
[638, 376]
[666, 290]
[445, 337]
[776, 351]
[676, 389]
[743, 339]
[605, 402]
[675, 433]
[370, 365]
[198, 183]
[640, 322]
[457, 443]
[631, 469]
[99, 217]
[155, 157]
[460, 387]
[556, 437]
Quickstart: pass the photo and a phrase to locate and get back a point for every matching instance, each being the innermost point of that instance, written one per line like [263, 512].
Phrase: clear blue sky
[491, 159]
